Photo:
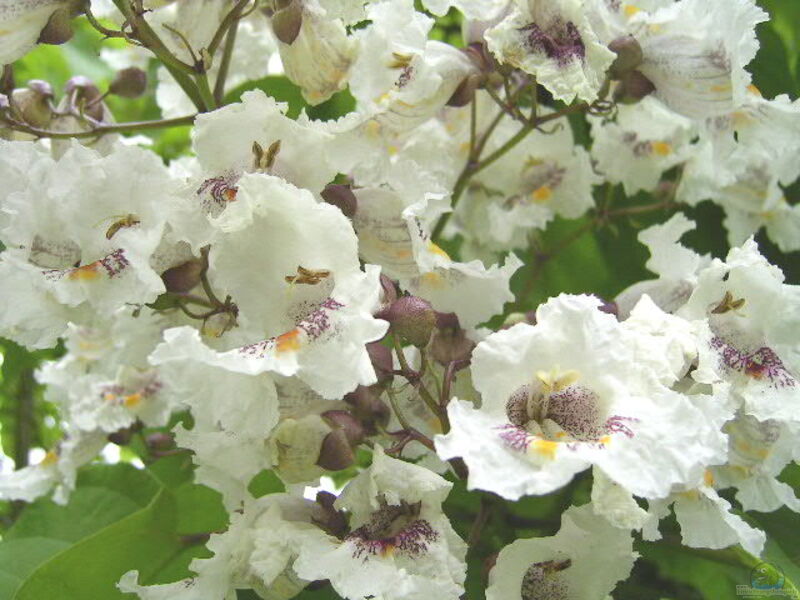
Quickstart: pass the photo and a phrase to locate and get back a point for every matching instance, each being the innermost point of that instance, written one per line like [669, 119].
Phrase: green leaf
[19, 557]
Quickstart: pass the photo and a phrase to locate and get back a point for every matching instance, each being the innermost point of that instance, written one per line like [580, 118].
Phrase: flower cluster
[306, 295]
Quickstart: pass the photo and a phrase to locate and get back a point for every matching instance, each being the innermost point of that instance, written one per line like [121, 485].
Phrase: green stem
[224, 67]
[179, 70]
[205, 91]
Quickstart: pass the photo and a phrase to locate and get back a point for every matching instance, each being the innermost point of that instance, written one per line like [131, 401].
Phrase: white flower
[553, 40]
[572, 392]
[401, 545]
[695, 52]
[391, 234]
[57, 471]
[645, 140]
[759, 452]
[705, 519]
[754, 318]
[21, 23]
[104, 381]
[319, 59]
[81, 237]
[256, 552]
[583, 561]
[543, 176]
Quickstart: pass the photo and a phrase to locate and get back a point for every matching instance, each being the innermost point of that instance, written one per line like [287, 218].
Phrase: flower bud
[287, 21]
[388, 296]
[382, 362]
[342, 197]
[336, 453]
[217, 325]
[629, 56]
[633, 87]
[450, 343]
[341, 419]
[58, 29]
[367, 406]
[82, 93]
[129, 83]
[184, 277]
[325, 515]
[413, 319]
[465, 91]
[7, 80]
[160, 441]
[32, 104]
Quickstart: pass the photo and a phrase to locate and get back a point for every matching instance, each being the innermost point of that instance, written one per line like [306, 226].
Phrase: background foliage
[156, 520]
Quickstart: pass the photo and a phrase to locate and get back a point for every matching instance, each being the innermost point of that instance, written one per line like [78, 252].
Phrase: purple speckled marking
[759, 364]
[113, 264]
[562, 42]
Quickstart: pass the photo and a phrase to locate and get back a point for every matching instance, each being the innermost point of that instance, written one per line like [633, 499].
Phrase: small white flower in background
[401, 546]
[584, 561]
[645, 140]
[554, 41]
[571, 392]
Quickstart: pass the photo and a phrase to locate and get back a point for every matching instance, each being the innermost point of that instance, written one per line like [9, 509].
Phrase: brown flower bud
[58, 29]
[325, 515]
[450, 343]
[32, 104]
[342, 197]
[368, 408]
[287, 21]
[336, 453]
[129, 83]
[382, 362]
[184, 277]
[632, 88]
[465, 91]
[83, 94]
[413, 319]
[629, 56]
[341, 419]
[7, 80]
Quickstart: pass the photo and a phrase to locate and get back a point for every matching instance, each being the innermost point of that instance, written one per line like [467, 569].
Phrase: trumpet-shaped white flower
[554, 41]
[584, 561]
[400, 545]
[321, 55]
[81, 237]
[572, 392]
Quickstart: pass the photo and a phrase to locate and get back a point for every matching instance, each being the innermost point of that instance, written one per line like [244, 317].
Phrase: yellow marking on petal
[708, 478]
[109, 397]
[372, 128]
[403, 253]
[50, 458]
[561, 434]
[132, 400]
[432, 279]
[437, 250]
[605, 440]
[88, 272]
[691, 495]
[545, 448]
[388, 550]
[630, 10]
[662, 148]
[721, 88]
[754, 90]
[541, 194]
[464, 147]
[288, 342]
[392, 149]
[654, 28]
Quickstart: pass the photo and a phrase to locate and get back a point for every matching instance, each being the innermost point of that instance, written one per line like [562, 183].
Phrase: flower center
[393, 529]
[216, 193]
[545, 581]
[562, 41]
[760, 364]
